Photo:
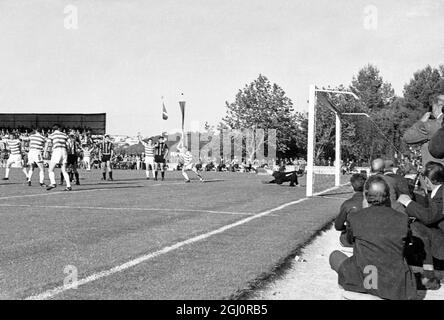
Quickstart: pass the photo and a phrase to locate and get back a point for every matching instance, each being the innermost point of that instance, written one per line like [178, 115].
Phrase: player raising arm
[149, 156]
[160, 155]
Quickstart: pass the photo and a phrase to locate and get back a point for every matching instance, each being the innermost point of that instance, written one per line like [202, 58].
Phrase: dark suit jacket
[352, 204]
[433, 214]
[397, 187]
[378, 233]
[422, 132]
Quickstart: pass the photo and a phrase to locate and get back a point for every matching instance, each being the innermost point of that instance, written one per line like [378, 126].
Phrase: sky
[122, 56]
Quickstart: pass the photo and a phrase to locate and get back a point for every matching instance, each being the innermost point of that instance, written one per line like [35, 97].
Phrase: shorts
[106, 157]
[159, 159]
[149, 161]
[14, 159]
[35, 156]
[72, 159]
[189, 166]
[59, 155]
[87, 159]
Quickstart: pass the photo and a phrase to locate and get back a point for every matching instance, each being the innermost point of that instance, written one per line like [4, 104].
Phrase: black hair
[377, 197]
[435, 172]
[357, 181]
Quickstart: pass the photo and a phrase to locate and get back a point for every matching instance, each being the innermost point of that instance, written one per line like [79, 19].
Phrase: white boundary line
[334, 198]
[125, 209]
[49, 193]
[106, 273]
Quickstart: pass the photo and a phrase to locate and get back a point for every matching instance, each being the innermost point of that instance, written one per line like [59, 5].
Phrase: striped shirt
[58, 139]
[15, 146]
[87, 153]
[106, 147]
[187, 158]
[149, 150]
[160, 149]
[37, 142]
[72, 146]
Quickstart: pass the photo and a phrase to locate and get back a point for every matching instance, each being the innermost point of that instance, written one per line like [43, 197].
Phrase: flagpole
[182, 109]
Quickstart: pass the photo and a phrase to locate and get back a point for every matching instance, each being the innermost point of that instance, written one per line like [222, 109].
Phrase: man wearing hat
[423, 130]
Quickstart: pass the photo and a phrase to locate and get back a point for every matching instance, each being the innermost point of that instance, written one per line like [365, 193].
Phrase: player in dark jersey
[106, 152]
[73, 148]
[160, 155]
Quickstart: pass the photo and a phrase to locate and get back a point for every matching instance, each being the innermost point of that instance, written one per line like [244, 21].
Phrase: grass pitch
[142, 239]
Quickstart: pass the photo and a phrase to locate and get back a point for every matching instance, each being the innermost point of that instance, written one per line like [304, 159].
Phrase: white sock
[52, 177]
[42, 176]
[66, 177]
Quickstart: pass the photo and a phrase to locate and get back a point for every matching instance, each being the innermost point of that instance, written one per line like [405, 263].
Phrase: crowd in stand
[395, 221]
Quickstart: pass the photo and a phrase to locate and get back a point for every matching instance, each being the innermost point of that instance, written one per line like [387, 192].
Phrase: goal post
[311, 139]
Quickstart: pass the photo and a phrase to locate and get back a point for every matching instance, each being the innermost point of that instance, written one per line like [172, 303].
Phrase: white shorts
[14, 159]
[59, 155]
[87, 159]
[149, 161]
[189, 166]
[35, 156]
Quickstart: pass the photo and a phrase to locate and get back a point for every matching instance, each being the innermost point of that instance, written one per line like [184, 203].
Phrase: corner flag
[164, 112]
[182, 109]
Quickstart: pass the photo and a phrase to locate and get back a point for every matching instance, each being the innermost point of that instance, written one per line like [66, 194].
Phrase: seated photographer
[353, 204]
[377, 266]
[429, 223]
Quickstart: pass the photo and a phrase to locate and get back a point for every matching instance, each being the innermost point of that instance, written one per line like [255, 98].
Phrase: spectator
[377, 266]
[396, 186]
[353, 204]
[423, 130]
[429, 224]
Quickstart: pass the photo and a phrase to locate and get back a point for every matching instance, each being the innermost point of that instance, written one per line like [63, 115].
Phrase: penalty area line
[125, 209]
[132, 263]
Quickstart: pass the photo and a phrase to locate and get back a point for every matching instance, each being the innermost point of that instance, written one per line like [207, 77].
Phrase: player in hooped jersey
[35, 156]
[160, 155]
[59, 156]
[188, 164]
[106, 151]
[14, 146]
[73, 148]
[149, 156]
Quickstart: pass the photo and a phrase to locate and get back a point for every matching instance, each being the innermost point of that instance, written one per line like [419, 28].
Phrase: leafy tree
[422, 86]
[263, 105]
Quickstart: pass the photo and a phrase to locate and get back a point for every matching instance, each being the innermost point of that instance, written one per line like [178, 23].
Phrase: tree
[263, 105]
[369, 86]
[424, 84]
